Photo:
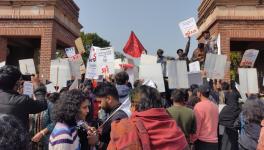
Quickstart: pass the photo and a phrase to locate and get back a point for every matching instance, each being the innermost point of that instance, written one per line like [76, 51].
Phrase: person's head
[137, 83]
[193, 87]
[225, 86]
[253, 111]
[107, 94]
[180, 52]
[71, 107]
[13, 136]
[203, 91]
[53, 97]
[206, 34]
[160, 52]
[177, 96]
[201, 46]
[121, 78]
[9, 77]
[144, 98]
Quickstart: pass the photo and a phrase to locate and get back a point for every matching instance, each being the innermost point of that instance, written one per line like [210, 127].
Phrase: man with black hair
[199, 54]
[18, 105]
[183, 116]
[121, 80]
[107, 94]
[183, 55]
[206, 114]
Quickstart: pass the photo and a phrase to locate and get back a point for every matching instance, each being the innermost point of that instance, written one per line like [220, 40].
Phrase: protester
[183, 55]
[18, 105]
[227, 118]
[210, 45]
[71, 108]
[41, 125]
[183, 116]
[122, 80]
[150, 126]
[206, 114]
[261, 137]
[199, 54]
[107, 94]
[249, 123]
[13, 135]
[163, 61]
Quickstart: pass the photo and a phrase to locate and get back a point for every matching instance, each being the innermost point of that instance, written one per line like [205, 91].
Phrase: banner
[2, 64]
[152, 72]
[188, 27]
[28, 89]
[148, 59]
[177, 75]
[79, 45]
[91, 64]
[215, 66]
[248, 80]
[249, 58]
[105, 61]
[194, 66]
[27, 66]
[70, 52]
[60, 72]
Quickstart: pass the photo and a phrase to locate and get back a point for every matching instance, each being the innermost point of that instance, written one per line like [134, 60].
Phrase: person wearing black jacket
[13, 103]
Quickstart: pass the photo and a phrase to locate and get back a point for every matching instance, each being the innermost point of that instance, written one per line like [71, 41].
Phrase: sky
[155, 22]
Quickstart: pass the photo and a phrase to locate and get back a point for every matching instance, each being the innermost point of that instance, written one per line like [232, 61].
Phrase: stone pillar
[47, 48]
[3, 49]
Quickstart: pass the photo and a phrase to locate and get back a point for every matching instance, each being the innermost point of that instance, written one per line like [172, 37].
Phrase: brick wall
[3, 49]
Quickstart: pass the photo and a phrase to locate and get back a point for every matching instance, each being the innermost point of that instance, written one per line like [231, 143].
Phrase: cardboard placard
[74, 85]
[188, 27]
[79, 45]
[148, 59]
[133, 75]
[195, 78]
[248, 80]
[249, 58]
[50, 88]
[60, 72]
[70, 52]
[177, 75]
[215, 66]
[91, 72]
[152, 72]
[27, 66]
[28, 88]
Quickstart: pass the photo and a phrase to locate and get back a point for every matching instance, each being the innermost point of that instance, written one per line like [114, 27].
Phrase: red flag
[133, 46]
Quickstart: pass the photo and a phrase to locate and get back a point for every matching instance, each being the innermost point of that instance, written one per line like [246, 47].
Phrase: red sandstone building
[240, 24]
[36, 29]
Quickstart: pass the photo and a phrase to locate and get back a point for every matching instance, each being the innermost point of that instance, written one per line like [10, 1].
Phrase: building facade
[36, 29]
[240, 24]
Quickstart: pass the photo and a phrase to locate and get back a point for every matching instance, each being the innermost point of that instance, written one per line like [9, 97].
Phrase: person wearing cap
[206, 114]
[163, 60]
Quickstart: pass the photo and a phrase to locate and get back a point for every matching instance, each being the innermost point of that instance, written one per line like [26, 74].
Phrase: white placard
[195, 78]
[27, 66]
[188, 27]
[152, 72]
[133, 75]
[28, 88]
[177, 75]
[248, 80]
[50, 88]
[75, 69]
[2, 64]
[60, 72]
[105, 61]
[249, 58]
[91, 64]
[194, 67]
[218, 42]
[215, 66]
[148, 59]
[70, 52]
[74, 85]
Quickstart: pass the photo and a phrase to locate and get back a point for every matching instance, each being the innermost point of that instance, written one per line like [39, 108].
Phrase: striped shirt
[64, 138]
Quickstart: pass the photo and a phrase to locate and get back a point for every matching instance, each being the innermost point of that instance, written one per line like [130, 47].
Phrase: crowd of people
[115, 114]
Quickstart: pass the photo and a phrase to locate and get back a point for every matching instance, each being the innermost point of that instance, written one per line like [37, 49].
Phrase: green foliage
[235, 57]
